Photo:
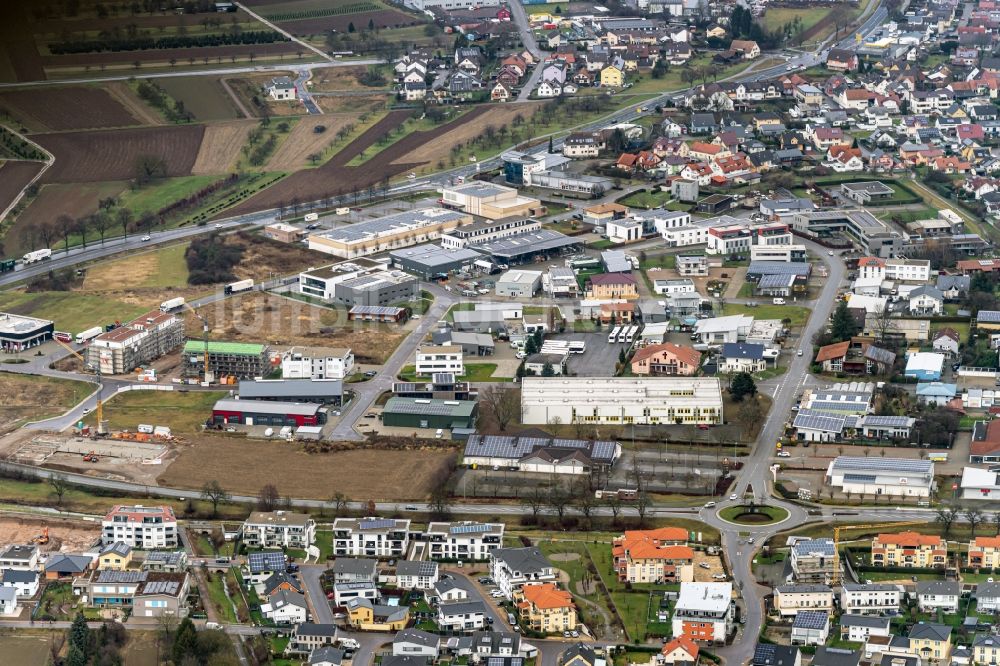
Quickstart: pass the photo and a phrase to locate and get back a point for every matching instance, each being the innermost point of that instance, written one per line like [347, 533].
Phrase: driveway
[310, 575]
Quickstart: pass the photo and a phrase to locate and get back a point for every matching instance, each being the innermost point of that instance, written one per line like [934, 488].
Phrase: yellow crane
[99, 409]
[835, 578]
[204, 334]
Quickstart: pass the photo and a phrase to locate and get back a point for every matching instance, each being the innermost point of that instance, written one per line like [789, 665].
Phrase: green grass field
[203, 96]
[797, 314]
[71, 311]
[776, 17]
[38, 398]
[217, 595]
[183, 412]
[645, 199]
[474, 372]
[162, 193]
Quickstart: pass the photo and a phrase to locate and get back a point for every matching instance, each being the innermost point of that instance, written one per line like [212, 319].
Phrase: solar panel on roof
[883, 464]
[992, 316]
[377, 524]
[810, 620]
[469, 529]
[268, 561]
[887, 420]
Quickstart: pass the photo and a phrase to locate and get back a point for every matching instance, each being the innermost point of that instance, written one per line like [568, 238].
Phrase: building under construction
[136, 343]
[226, 359]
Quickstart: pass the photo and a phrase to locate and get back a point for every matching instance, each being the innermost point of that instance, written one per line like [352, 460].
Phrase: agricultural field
[203, 96]
[338, 79]
[221, 145]
[163, 268]
[155, 196]
[359, 104]
[69, 108]
[14, 177]
[310, 17]
[289, 322]
[83, 157]
[248, 92]
[303, 141]
[75, 311]
[377, 474]
[53, 200]
[29, 397]
[775, 17]
[31, 646]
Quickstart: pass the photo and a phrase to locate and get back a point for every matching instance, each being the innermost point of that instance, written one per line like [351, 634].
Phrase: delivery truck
[237, 287]
[172, 304]
[37, 255]
[7, 265]
[89, 334]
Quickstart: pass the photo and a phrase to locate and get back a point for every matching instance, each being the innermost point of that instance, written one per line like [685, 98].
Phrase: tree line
[141, 43]
[15, 146]
[157, 97]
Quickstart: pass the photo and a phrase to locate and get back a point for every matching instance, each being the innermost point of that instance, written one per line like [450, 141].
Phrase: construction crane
[204, 334]
[99, 408]
[835, 578]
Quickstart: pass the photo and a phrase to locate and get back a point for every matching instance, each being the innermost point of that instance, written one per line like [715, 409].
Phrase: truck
[344, 210]
[89, 334]
[172, 304]
[237, 287]
[37, 255]
[7, 265]
[311, 217]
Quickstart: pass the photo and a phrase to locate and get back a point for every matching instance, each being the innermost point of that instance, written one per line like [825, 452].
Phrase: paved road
[304, 94]
[520, 18]
[306, 46]
[310, 575]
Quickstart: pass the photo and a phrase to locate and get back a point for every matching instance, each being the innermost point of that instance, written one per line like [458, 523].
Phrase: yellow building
[715, 31]
[115, 557]
[608, 286]
[546, 608]
[984, 552]
[931, 642]
[909, 549]
[612, 77]
[361, 613]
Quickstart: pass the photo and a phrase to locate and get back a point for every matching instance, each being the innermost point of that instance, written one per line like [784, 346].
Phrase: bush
[209, 260]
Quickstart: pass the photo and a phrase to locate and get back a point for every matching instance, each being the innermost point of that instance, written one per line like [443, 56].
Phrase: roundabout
[753, 514]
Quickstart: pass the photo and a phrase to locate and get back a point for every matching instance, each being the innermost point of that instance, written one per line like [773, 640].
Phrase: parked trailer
[237, 287]
[172, 304]
[89, 334]
[7, 265]
[37, 255]
[613, 335]
[311, 217]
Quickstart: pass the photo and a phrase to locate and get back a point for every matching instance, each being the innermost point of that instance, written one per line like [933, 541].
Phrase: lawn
[660, 261]
[773, 514]
[408, 126]
[474, 372]
[162, 268]
[183, 412]
[217, 595]
[162, 193]
[71, 311]
[672, 80]
[796, 314]
[776, 17]
[646, 199]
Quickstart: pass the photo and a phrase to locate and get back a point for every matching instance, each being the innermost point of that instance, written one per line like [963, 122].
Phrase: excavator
[42, 538]
[835, 579]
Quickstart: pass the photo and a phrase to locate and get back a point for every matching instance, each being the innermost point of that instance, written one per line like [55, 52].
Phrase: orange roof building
[984, 552]
[909, 549]
[653, 556]
[666, 359]
[681, 651]
[546, 608]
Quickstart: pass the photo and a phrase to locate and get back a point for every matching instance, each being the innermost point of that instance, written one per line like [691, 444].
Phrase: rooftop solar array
[110, 576]
[374, 310]
[814, 546]
[526, 243]
[443, 378]
[474, 528]
[501, 446]
[860, 478]
[776, 281]
[811, 620]
[901, 421]
[991, 316]
[778, 268]
[269, 561]
[162, 587]
[883, 464]
[377, 524]
[813, 420]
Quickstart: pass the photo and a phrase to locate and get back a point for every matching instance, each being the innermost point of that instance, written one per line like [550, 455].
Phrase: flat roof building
[231, 359]
[353, 284]
[871, 234]
[524, 247]
[428, 261]
[321, 391]
[882, 476]
[18, 333]
[136, 343]
[266, 412]
[647, 400]
[490, 200]
[386, 233]
[429, 413]
[482, 231]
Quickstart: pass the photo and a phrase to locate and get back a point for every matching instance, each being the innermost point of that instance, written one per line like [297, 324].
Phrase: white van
[778, 301]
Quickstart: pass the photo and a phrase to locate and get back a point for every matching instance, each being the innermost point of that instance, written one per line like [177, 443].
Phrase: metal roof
[429, 407]
[526, 243]
[778, 268]
[431, 255]
[266, 407]
[884, 464]
[392, 224]
[374, 310]
[269, 388]
[514, 448]
[266, 561]
[988, 316]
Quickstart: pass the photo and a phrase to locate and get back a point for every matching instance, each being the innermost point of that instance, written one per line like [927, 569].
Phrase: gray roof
[870, 621]
[290, 388]
[797, 588]
[806, 619]
[462, 607]
[316, 629]
[927, 290]
[266, 407]
[577, 650]
[526, 243]
[752, 352]
[826, 656]
[68, 563]
[769, 654]
[988, 590]
[870, 587]
[492, 642]
[945, 587]
[118, 547]
[415, 568]
[524, 560]
[431, 255]
[931, 631]
[7, 594]
[397, 222]
[283, 598]
[912, 466]
[326, 654]
[356, 566]
[960, 282]
[19, 552]
[394, 660]
[417, 636]
[446, 585]
[17, 576]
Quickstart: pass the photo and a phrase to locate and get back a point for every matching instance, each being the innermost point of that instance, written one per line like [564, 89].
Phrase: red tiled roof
[682, 353]
[836, 350]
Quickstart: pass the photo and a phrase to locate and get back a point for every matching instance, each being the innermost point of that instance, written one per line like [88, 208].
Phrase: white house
[461, 615]
[344, 592]
[416, 643]
[446, 590]
[511, 568]
[141, 527]
[286, 607]
[869, 598]
[24, 583]
[442, 358]
[704, 611]
[8, 601]
[716, 330]
[371, 537]
[926, 300]
[988, 597]
[742, 357]
[463, 540]
[811, 628]
[20, 557]
[414, 575]
[280, 88]
[858, 628]
[279, 529]
[939, 594]
[318, 363]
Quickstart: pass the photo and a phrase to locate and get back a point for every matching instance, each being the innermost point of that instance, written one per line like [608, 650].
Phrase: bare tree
[946, 516]
[124, 219]
[615, 504]
[214, 492]
[751, 413]
[339, 502]
[882, 324]
[65, 225]
[59, 484]
[440, 504]
[642, 504]
[502, 404]
[975, 518]
[584, 500]
[267, 498]
[996, 522]
[217, 539]
[535, 500]
[101, 222]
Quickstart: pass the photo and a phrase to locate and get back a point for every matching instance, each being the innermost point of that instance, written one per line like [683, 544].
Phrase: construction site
[52, 535]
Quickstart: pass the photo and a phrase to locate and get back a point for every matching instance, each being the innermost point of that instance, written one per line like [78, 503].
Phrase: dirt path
[123, 95]
[737, 278]
[236, 99]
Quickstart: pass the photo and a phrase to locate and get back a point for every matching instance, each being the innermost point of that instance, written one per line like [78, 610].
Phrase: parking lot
[600, 358]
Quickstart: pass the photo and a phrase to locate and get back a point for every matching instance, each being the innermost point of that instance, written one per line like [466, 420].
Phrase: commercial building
[387, 233]
[518, 283]
[226, 359]
[666, 359]
[621, 400]
[925, 366]
[430, 261]
[526, 247]
[482, 231]
[873, 236]
[279, 529]
[141, 527]
[363, 286]
[136, 343]
[909, 549]
[321, 391]
[541, 455]
[426, 5]
[284, 233]
[490, 200]
[371, 537]
[317, 363]
[980, 484]
[432, 360]
[705, 612]
[267, 413]
[866, 192]
[881, 476]
[429, 413]
[462, 541]
[18, 333]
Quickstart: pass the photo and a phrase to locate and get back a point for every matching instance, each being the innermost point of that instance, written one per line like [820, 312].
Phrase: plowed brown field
[303, 141]
[220, 147]
[14, 176]
[69, 108]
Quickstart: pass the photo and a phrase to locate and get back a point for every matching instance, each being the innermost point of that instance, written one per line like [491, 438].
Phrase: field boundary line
[46, 165]
[290, 36]
[236, 100]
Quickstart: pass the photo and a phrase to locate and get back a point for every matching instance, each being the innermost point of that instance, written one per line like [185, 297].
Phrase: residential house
[747, 49]
[416, 575]
[8, 602]
[416, 643]
[64, 566]
[704, 612]
[545, 608]
[769, 654]
[612, 77]
[115, 556]
[931, 642]
[21, 557]
[859, 628]
[946, 341]
[309, 636]
[653, 556]
[810, 628]
[984, 553]
[371, 537]
[935, 595]
[511, 568]
[954, 287]
[926, 300]
[354, 570]
[141, 527]
[365, 615]
[612, 286]
[869, 598]
[461, 615]
[792, 598]
[828, 656]
[279, 529]
[986, 649]
[284, 607]
[326, 656]
[742, 357]
[501, 92]
[812, 560]
[666, 359]
[446, 590]
[988, 597]
[24, 583]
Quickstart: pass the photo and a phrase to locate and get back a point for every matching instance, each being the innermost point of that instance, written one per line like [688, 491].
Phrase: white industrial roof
[930, 361]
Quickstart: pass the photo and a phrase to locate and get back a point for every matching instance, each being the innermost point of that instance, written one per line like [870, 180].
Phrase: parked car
[709, 505]
[734, 497]
[784, 454]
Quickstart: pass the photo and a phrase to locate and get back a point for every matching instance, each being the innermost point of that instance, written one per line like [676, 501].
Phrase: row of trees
[15, 146]
[142, 43]
[155, 96]
[948, 514]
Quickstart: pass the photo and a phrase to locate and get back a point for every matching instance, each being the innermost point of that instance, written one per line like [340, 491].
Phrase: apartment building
[317, 363]
[984, 552]
[512, 568]
[20, 557]
[790, 599]
[279, 529]
[545, 608]
[443, 358]
[388, 233]
[229, 359]
[141, 527]
[704, 612]
[869, 598]
[653, 556]
[136, 343]
[371, 537]
[462, 541]
[146, 593]
[909, 549]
